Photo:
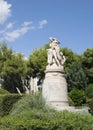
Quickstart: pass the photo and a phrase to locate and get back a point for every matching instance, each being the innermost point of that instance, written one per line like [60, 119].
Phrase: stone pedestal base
[55, 88]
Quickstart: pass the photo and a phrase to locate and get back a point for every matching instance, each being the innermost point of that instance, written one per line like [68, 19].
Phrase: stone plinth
[55, 87]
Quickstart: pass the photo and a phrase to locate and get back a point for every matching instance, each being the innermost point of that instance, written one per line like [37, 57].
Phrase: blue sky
[27, 24]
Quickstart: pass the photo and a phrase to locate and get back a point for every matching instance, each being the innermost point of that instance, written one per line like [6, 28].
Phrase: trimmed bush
[31, 113]
[47, 121]
[6, 103]
[77, 96]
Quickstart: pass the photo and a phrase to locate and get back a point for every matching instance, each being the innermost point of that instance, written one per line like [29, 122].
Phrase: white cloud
[42, 23]
[9, 25]
[10, 34]
[15, 34]
[27, 23]
[2, 31]
[5, 11]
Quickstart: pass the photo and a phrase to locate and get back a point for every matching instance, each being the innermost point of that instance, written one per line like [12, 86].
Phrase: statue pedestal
[55, 87]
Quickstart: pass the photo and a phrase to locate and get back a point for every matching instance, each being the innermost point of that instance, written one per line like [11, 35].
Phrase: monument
[54, 86]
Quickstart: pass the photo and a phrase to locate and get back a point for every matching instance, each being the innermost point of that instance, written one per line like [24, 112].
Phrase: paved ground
[84, 110]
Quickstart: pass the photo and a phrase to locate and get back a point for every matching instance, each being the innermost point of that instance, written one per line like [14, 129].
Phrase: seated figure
[54, 54]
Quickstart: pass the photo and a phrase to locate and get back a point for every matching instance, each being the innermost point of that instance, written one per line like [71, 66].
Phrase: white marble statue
[54, 88]
[54, 54]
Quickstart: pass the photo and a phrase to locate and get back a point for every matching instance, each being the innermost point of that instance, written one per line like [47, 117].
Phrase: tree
[12, 68]
[87, 62]
[37, 62]
[76, 77]
[89, 91]
[71, 57]
[87, 58]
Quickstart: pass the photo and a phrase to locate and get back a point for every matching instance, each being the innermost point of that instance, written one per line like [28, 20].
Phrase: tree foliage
[71, 57]
[76, 77]
[12, 68]
[37, 62]
[87, 58]
[89, 91]
[87, 61]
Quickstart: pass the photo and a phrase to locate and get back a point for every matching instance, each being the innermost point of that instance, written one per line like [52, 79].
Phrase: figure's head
[54, 40]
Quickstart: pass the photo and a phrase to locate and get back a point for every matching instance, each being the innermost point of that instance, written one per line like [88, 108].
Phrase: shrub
[29, 102]
[6, 103]
[3, 91]
[71, 103]
[30, 113]
[77, 96]
[47, 121]
[90, 104]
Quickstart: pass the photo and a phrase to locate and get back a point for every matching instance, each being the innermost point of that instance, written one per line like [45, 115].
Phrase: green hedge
[36, 120]
[6, 103]
[30, 113]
